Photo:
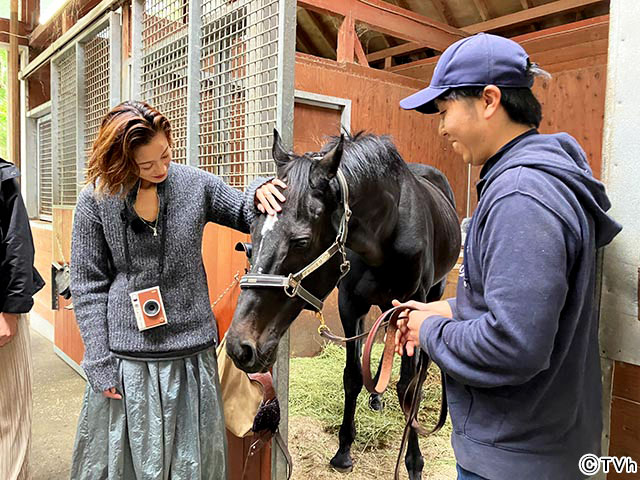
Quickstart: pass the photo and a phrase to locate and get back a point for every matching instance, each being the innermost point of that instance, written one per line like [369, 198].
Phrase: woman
[152, 407]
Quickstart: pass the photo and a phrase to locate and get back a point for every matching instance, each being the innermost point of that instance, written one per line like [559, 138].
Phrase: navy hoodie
[521, 353]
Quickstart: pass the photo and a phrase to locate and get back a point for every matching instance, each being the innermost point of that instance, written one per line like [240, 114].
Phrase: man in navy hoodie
[519, 343]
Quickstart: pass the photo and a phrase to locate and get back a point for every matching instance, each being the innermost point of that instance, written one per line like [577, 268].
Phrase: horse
[400, 238]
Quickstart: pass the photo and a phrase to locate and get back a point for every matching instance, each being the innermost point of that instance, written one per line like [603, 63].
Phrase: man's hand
[411, 319]
[8, 327]
[268, 196]
[112, 393]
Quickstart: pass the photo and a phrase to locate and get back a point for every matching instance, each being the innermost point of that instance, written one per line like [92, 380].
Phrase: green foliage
[4, 105]
[315, 390]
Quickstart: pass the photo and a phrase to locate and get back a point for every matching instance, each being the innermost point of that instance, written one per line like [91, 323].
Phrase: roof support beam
[483, 9]
[389, 19]
[529, 15]
[443, 10]
[403, 49]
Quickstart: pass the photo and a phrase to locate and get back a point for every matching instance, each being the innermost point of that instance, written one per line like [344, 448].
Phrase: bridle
[292, 283]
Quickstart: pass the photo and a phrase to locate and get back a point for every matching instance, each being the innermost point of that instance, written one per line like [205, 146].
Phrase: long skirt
[168, 425]
[15, 404]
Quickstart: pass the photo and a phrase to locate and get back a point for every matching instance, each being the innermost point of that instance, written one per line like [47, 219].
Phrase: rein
[411, 402]
[292, 283]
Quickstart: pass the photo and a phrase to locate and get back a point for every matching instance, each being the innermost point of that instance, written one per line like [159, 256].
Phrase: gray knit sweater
[100, 288]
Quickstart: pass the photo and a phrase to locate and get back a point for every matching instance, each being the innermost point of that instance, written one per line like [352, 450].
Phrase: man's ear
[280, 155]
[491, 96]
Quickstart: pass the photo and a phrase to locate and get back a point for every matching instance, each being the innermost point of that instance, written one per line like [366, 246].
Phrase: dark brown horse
[403, 238]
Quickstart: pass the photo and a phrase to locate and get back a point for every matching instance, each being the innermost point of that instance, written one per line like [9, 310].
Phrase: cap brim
[423, 100]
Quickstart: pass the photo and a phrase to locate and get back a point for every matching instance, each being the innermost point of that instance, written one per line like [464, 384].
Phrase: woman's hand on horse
[112, 393]
[268, 197]
[411, 319]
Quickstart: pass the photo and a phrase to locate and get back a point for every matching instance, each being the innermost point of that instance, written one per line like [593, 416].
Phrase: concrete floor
[57, 397]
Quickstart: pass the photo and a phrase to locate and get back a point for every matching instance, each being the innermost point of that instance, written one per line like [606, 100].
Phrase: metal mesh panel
[96, 85]
[45, 172]
[239, 65]
[66, 134]
[164, 66]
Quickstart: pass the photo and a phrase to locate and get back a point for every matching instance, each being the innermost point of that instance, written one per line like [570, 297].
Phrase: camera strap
[162, 216]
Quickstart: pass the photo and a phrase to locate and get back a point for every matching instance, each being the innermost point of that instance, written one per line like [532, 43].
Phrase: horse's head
[285, 244]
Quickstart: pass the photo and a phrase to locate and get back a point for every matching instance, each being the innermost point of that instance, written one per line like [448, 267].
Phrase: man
[18, 282]
[519, 343]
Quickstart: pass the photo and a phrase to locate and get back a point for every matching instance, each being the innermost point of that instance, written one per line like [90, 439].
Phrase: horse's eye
[300, 243]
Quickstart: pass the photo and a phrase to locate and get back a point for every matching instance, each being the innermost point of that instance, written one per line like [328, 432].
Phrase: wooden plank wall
[625, 416]
[43, 242]
[66, 334]
[375, 95]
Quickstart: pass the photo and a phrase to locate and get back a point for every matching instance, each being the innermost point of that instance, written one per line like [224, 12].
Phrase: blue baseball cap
[479, 60]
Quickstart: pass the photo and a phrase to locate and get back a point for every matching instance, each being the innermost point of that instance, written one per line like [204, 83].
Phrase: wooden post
[14, 88]
[360, 55]
[346, 40]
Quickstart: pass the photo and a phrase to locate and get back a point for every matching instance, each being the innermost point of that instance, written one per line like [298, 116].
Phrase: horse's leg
[352, 312]
[413, 458]
[375, 399]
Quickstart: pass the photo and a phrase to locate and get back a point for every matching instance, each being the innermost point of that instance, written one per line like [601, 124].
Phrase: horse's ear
[331, 161]
[278, 151]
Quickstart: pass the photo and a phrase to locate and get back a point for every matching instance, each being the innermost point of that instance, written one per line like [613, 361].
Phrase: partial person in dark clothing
[519, 343]
[19, 281]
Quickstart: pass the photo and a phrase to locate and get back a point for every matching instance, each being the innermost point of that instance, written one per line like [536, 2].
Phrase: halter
[292, 283]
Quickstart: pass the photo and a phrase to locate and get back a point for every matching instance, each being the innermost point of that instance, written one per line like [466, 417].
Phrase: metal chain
[236, 279]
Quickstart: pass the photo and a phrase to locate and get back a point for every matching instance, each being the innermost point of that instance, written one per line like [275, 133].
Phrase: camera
[148, 308]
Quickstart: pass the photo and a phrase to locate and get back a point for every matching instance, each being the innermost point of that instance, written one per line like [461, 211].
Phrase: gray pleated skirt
[168, 425]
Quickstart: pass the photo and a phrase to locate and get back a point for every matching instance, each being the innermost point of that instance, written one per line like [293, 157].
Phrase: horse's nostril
[247, 353]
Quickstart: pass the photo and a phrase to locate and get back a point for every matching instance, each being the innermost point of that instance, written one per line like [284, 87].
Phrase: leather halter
[292, 283]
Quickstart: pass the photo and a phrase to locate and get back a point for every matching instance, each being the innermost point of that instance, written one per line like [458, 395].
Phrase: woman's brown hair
[112, 168]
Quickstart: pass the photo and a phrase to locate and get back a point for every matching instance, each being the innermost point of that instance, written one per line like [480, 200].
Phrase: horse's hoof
[342, 463]
[375, 402]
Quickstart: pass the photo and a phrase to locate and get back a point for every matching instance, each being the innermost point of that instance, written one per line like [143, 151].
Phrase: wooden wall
[625, 416]
[375, 95]
[43, 242]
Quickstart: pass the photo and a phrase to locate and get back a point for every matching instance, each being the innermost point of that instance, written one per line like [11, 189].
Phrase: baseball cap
[479, 60]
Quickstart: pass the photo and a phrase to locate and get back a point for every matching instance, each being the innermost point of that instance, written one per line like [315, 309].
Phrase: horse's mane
[364, 155]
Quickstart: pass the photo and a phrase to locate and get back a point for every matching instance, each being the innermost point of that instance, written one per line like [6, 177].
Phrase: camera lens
[151, 308]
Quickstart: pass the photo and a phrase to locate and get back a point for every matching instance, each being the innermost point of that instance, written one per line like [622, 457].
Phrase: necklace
[153, 226]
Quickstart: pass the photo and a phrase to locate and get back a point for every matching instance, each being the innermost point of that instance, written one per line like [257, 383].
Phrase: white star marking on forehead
[269, 223]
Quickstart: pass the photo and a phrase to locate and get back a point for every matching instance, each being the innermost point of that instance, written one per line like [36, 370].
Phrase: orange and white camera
[148, 308]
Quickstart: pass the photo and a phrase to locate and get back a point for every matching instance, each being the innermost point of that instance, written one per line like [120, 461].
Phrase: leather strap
[390, 318]
[411, 403]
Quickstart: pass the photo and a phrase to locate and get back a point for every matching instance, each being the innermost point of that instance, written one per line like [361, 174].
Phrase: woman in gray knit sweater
[152, 408]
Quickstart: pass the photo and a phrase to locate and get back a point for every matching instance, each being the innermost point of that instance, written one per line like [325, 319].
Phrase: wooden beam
[321, 28]
[408, 47]
[553, 46]
[315, 33]
[14, 87]
[44, 34]
[529, 15]
[526, 4]
[360, 55]
[346, 40]
[391, 20]
[443, 10]
[5, 32]
[483, 9]
[304, 41]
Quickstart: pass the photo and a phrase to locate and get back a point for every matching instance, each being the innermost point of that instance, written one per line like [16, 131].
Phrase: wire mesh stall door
[45, 171]
[97, 88]
[65, 191]
[238, 88]
[164, 66]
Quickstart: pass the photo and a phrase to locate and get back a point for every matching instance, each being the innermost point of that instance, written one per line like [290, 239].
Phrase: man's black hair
[520, 103]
